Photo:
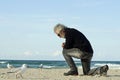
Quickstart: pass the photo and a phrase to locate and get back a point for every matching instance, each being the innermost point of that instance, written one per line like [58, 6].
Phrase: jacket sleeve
[68, 42]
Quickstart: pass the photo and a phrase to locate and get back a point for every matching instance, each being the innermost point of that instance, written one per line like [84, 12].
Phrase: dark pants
[77, 53]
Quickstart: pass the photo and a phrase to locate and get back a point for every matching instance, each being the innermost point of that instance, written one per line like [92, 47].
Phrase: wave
[3, 62]
[112, 66]
[47, 67]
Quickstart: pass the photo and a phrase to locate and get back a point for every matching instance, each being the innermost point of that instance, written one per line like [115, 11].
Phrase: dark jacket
[75, 39]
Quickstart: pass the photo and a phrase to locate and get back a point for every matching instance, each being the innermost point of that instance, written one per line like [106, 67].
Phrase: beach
[56, 74]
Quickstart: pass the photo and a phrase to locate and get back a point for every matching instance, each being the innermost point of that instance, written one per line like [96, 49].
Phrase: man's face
[61, 34]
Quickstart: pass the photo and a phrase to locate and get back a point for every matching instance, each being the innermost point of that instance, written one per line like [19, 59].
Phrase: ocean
[56, 64]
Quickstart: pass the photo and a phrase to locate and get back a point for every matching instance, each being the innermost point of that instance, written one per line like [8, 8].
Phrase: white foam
[112, 66]
[48, 67]
[3, 62]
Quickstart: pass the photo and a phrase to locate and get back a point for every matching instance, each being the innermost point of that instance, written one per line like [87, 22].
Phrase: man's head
[59, 30]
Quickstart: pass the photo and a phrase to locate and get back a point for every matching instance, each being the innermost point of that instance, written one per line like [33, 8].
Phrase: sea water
[56, 63]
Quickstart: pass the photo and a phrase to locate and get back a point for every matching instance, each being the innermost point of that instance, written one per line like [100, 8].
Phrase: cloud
[28, 53]
[57, 53]
[4, 20]
[92, 4]
[89, 3]
[31, 53]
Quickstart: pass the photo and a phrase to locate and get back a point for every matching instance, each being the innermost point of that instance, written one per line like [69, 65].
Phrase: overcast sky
[26, 27]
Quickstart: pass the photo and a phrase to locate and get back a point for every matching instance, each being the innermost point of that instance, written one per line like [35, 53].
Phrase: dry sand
[57, 74]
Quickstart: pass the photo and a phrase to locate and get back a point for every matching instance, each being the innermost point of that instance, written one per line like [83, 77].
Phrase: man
[76, 45]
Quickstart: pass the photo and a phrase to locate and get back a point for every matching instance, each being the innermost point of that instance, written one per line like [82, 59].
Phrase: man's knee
[64, 51]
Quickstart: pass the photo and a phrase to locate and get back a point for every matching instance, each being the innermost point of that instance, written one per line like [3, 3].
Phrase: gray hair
[59, 27]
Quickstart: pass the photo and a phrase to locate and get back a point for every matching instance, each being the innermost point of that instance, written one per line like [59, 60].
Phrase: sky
[26, 27]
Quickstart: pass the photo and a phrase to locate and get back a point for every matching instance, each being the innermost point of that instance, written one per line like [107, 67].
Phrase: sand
[57, 74]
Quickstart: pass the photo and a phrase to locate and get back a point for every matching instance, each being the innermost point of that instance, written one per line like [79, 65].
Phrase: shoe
[103, 70]
[74, 73]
